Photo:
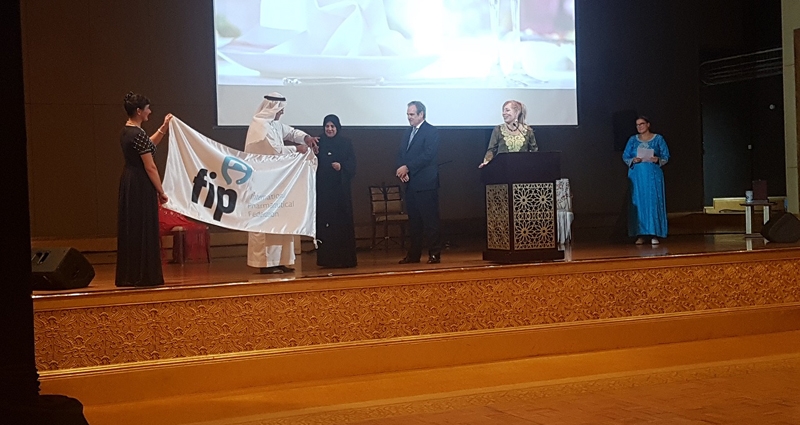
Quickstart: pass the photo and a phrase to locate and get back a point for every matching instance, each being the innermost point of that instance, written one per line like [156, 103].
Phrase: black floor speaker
[60, 268]
[783, 229]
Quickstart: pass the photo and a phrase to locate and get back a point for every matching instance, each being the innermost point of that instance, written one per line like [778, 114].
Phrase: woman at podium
[645, 154]
[513, 135]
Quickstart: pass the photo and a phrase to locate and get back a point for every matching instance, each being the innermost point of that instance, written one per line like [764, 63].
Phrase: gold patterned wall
[84, 337]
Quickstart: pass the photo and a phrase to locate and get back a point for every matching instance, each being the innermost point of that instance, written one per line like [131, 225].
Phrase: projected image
[467, 43]
[394, 44]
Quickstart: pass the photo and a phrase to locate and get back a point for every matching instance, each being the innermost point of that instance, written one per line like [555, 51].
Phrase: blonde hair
[520, 108]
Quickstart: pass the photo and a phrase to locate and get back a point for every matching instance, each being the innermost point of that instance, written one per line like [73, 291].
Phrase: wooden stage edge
[110, 346]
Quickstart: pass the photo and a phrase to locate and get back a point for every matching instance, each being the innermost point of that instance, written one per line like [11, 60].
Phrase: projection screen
[364, 60]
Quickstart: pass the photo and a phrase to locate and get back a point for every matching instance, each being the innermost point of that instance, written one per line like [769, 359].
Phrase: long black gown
[335, 229]
[138, 252]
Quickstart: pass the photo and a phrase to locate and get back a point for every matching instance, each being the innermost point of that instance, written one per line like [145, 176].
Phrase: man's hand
[302, 148]
[402, 174]
[312, 142]
[636, 160]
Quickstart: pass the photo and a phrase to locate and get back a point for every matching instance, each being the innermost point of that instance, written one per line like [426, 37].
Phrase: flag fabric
[210, 182]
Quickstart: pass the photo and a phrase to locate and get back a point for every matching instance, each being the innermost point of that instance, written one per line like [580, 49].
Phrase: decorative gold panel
[91, 336]
[534, 216]
[497, 217]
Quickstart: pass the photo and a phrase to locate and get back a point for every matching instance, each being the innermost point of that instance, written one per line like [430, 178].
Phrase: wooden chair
[386, 203]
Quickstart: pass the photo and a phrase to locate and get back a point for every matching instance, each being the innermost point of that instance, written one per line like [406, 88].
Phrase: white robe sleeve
[291, 134]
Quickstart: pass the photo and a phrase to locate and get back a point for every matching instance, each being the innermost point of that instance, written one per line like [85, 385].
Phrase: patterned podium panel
[497, 226]
[534, 216]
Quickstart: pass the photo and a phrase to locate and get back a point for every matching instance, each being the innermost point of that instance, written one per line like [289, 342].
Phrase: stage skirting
[213, 337]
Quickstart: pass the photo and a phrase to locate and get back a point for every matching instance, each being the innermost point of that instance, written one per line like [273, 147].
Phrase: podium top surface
[523, 167]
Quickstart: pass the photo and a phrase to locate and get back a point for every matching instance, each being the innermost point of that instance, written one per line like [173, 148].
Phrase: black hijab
[335, 120]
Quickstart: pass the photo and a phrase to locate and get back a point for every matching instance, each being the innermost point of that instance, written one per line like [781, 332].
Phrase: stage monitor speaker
[60, 268]
[624, 128]
[783, 229]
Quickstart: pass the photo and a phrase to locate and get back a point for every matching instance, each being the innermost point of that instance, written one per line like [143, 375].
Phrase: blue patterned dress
[647, 214]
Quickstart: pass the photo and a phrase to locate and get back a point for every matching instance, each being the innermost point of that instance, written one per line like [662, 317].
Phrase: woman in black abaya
[337, 166]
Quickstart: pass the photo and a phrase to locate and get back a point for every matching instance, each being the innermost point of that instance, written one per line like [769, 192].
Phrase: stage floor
[462, 256]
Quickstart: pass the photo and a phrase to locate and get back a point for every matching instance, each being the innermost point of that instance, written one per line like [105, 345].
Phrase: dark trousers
[423, 218]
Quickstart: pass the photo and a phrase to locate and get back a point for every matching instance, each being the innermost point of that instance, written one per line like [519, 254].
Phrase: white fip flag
[210, 182]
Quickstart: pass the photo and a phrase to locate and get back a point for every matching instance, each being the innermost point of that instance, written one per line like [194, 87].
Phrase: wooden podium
[521, 207]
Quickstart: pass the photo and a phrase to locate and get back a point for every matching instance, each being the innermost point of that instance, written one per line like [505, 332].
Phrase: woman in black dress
[140, 191]
[337, 166]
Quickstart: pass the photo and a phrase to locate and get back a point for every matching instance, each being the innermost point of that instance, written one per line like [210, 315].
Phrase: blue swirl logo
[231, 163]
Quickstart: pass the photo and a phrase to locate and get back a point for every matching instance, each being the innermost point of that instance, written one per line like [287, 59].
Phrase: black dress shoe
[434, 259]
[286, 269]
[270, 270]
[408, 260]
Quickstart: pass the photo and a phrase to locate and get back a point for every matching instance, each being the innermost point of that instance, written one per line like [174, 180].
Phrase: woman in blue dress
[645, 154]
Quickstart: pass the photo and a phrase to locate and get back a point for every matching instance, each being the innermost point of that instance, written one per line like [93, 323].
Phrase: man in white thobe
[273, 253]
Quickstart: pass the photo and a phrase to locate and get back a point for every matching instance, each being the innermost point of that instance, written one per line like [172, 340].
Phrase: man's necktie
[413, 132]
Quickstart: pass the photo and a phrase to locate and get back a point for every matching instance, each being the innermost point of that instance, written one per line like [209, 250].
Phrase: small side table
[766, 206]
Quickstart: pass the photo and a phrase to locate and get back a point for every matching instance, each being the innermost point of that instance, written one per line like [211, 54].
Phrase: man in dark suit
[417, 167]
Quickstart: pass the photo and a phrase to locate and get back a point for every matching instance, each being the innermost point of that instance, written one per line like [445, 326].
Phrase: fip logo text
[221, 199]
